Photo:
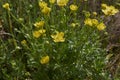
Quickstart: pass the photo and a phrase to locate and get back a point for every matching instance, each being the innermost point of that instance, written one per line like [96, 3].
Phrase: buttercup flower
[86, 13]
[73, 7]
[42, 31]
[39, 24]
[91, 22]
[101, 26]
[58, 37]
[88, 21]
[38, 33]
[94, 13]
[42, 4]
[6, 6]
[52, 1]
[46, 10]
[23, 42]
[73, 24]
[104, 6]
[44, 60]
[94, 21]
[109, 10]
[62, 3]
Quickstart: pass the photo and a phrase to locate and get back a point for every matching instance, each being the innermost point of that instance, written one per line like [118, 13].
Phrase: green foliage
[79, 57]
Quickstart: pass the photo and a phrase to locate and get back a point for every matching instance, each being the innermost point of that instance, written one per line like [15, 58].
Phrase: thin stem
[11, 31]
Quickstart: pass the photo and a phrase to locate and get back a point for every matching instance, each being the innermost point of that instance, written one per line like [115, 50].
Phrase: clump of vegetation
[53, 40]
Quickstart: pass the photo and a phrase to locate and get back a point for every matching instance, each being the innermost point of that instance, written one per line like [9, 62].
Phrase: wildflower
[58, 37]
[101, 26]
[73, 7]
[62, 3]
[42, 4]
[6, 6]
[52, 1]
[39, 24]
[104, 6]
[91, 22]
[86, 13]
[88, 21]
[73, 24]
[23, 42]
[94, 21]
[42, 31]
[109, 10]
[46, 10]
[44, 60]
[94, 13]
[36, 34]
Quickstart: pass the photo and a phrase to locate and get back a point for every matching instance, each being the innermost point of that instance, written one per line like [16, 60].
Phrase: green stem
[11, 31]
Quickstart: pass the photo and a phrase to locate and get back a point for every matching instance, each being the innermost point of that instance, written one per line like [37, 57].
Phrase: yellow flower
[58, 37]
[104, 6]
[42, 4]
[42, 31]
[101, 26]
[46, 10]
[36, 34]
[73, 7]
[44, 60]
[62, 3]
[39, 24]
[52, 1]
[109, 10]
[94, 21]
[6, 6]
[94, 13]
[91, 22]
[23, 42]
[88, 21]
[73, 24]
[86, 13]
